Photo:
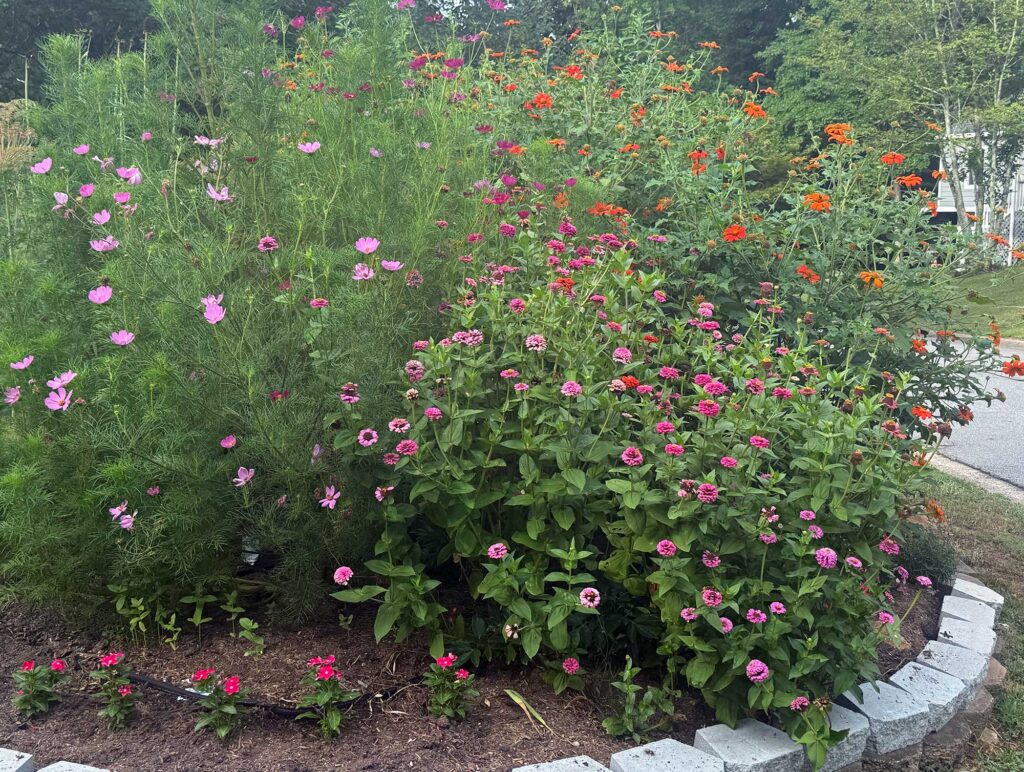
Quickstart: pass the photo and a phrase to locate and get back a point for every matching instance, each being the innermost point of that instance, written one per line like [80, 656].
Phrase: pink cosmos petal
[86, 190]
[80, 150]
[23, 363]
[101, 217]
[214, 313]
[58, 400]
[61, 380]
[362, 272]
[391, 265]
[229, 442]
[309, 147]
[122, 198]
[43, 166]
[106, 244]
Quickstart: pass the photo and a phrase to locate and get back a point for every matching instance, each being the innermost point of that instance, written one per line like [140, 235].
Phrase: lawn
[1005, 289]
[987, 531]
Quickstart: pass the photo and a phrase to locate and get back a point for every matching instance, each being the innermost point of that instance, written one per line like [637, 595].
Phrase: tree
[923, 76]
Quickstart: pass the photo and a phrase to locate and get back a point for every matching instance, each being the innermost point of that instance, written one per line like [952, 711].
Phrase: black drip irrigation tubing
[280, 711]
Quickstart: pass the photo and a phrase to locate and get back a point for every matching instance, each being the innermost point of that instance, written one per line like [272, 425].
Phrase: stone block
[969, 666]
[946, 695]
[967, 635]
[979, 710]
[946, 748]
[969, 611]
[752, 747]
[896, 718]
[849, 750]
[904, 760]
[70, 766]
[858, 767]
[574, 764]
[995, 676]
[963, 588]
[15, 761]
[665, 756]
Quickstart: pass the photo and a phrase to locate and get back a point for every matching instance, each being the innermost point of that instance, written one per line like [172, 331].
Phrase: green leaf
[531, 642]
[576, 478]
[386, 618]
[618, 486]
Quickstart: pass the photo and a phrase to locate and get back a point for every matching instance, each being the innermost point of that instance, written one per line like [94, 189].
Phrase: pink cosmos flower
[391, 265]
[153, 491]
[433, 414]
[726, 624]
[61, 380]
[122, 198]
[826, 557]
[407, 448]
[309, 147]
[590, 597]
[367, 245]
[757, 671]
[267, 244]
[571, 389]
[122, 337]
[12, 394]
[362, 272]
[61, 199]
[666, 548]
[80, 150]
[22, 364]
[777, 608]
[218, 195]
[100, 294]
[759, 442]
[214, 313]
[86, 190]
[343, 574]
[132, 175]
[243, 476]
[632, 456]
[756, 616]
[710, 559]
[497, 551]
[570, 666]
[128, 521]
[330, 499]
[146, 136]
[58, 400]
[107, 244]
[229, 442]
[688, 614]
[43, 166]
[367, 438]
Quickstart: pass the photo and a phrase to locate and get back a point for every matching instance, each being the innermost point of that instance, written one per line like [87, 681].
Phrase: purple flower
[122, 337]
[826, 557]
[106, 244]
[309, 147]
[330, 499]
[243, 476]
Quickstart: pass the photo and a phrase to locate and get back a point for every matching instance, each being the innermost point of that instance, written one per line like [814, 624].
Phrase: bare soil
[390, 730]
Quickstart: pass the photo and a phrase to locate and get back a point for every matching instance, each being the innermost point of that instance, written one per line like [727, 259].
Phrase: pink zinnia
[924, 581]
[708, 408]
[688, 614]
[666, 548]
[407, 448]
[853, 562]
[757, 671]
[367, 437]
[756, 616]
[726, 624]
[622, 355]
[632, 457]
[433, 414]
[669, 373]
[807, 514]
[570, 666]
[889, 547]
[777, 608]
[536, 343]
[664, 427]
[674, 449]
[517, 305]
[710, 559]
[707, 493]
[399, 425]
[815, 531]
[590, 597]
[885, 618]
[728, 462]
[799, 703]
[571, 389]
[826, 557]
[342, 575]
[712, 598]
[759, 442]
[497, 551]
[319, 303]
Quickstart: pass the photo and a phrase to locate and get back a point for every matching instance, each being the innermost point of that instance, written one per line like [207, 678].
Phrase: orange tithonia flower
[734, 233]
[818, 202]
[808, 274]
[754, 110]
[909, 180]
[872, 278]
[1013, 367]
[893, 159]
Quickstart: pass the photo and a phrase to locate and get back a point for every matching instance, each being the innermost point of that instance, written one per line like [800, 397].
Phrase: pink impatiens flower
[243, 476]
[100, 294]
[122, 337]
[58, 400]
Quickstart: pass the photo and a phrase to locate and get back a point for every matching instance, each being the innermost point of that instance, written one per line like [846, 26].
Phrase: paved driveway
[994, 441]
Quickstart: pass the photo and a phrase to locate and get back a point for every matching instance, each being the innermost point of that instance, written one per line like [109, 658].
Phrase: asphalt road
[994, 441]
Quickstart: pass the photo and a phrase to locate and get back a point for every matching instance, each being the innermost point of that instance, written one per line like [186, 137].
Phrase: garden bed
[388, 731]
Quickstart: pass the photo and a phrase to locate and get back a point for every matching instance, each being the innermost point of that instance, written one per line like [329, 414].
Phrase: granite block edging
[886, 718]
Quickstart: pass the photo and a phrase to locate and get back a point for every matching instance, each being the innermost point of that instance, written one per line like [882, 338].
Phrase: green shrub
[926, 553]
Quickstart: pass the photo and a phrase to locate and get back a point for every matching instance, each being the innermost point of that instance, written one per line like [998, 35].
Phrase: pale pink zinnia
[343, 574]
[590, 597]
[497, 551]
